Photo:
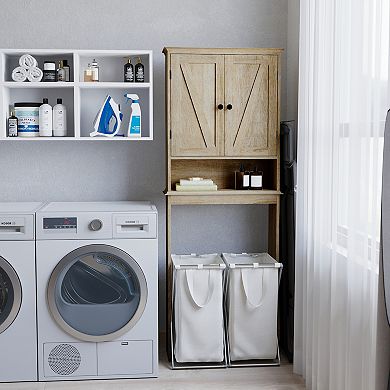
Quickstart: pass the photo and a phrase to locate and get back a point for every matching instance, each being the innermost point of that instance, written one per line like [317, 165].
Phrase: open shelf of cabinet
[222, 109]
[82, 99]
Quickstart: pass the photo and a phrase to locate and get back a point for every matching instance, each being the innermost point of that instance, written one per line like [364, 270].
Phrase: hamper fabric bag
[252, 304]
[198, 308]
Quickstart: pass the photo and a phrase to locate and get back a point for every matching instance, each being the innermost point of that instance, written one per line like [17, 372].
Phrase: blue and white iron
[104, 122]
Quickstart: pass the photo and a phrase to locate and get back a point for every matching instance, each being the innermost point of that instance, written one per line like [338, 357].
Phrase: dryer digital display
[60, 223]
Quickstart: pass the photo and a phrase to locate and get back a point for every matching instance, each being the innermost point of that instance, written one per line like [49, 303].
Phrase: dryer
[18, 339]
[97, 290]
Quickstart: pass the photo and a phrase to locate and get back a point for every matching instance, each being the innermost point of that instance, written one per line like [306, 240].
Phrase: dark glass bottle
[239, 178]
[12, 125]
[129, 71]
[139, 72]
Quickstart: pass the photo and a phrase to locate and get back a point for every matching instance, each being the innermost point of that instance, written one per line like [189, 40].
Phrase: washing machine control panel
[68, 223]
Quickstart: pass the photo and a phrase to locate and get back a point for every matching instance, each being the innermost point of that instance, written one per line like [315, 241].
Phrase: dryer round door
[97, 293]
[10, 295]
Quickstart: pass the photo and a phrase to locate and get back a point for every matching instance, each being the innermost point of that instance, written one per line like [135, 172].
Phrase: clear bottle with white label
[45, 119]
[59, 119]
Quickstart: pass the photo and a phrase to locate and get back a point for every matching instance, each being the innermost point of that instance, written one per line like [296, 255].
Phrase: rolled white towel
[27, 61]
[19, 74]
[34, 74]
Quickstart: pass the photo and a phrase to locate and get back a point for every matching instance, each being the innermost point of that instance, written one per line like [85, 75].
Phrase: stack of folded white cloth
[196, 184]
[27, 70]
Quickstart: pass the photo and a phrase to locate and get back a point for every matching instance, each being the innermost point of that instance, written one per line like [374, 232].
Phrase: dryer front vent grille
[64, 359]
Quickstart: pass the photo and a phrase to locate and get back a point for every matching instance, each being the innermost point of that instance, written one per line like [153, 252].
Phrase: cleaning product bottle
[139, 72]
[45, 119]
[61, 75]
[135, 117]
[59, 119]
[128, 71]
[12, 125]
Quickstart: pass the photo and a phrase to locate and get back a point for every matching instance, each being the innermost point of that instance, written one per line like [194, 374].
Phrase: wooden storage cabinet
[223, 105]
[222, 109]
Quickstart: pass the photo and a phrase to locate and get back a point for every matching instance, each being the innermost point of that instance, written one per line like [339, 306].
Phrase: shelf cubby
[111, 63]
[92, 99]
[222, 172]
[11, 60]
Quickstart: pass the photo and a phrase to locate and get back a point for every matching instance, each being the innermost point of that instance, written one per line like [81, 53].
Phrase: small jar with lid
[95, 70]
[88, 73]
[49, 71]
[256, 180]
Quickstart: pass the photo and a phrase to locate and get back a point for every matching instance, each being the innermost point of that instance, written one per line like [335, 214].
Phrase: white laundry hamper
[198, 314]
[252, 308]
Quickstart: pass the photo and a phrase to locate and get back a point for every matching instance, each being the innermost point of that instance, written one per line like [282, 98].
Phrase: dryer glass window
[6, 296]
[99, 292]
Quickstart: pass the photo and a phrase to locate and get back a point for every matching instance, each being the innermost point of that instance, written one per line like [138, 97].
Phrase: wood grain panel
[196, 90]
[251, 88]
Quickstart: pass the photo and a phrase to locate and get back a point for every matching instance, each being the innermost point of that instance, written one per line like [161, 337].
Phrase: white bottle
[134, 129]
[59, 119]
[45, 119]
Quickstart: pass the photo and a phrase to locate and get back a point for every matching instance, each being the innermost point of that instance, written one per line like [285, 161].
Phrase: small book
[197, 188]
[203, 182]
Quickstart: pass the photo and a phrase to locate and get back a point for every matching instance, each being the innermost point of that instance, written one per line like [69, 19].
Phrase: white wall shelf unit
[82, 99]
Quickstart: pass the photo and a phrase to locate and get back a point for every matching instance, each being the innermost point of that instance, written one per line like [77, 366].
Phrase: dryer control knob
[95, 225]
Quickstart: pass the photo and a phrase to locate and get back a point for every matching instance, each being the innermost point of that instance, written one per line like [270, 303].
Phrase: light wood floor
[268, 378]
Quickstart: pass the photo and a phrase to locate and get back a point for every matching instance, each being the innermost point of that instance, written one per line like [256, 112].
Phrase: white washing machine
[97, 290]
[18, 338]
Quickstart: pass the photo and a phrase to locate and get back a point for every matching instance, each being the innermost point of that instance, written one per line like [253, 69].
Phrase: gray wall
[89, 171]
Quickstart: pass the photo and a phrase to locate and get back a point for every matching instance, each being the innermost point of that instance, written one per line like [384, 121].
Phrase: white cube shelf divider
[82, 99]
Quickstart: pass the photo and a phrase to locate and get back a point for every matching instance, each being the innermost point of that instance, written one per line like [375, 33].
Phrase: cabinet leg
[168, 276]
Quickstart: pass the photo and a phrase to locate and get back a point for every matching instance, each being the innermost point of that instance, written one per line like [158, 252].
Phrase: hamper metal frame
[251, 362]
[193, 365]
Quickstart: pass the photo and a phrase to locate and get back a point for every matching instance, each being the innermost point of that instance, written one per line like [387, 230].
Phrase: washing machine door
[97, 293]
[10, 294]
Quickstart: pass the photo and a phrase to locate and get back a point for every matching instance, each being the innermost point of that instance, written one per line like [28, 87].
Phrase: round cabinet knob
[229, 106]
[220, 106]
[95, 225]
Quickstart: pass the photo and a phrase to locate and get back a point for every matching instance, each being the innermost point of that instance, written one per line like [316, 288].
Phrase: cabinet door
[196, 91]
[251, 88]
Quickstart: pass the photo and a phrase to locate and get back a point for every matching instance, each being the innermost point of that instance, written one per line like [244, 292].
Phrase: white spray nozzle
[134, 97]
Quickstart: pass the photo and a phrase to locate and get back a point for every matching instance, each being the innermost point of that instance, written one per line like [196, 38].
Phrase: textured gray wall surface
[99, 171]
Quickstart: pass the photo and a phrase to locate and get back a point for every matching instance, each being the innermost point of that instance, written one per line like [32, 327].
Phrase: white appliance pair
[96, 291]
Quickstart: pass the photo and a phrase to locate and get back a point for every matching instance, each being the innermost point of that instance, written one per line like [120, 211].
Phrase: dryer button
[95, 225]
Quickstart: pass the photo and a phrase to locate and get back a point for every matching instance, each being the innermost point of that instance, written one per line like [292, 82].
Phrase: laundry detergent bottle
[134, 129]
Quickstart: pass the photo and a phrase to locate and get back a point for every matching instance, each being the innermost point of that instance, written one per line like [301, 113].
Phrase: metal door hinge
[170, 74]
[170, 134]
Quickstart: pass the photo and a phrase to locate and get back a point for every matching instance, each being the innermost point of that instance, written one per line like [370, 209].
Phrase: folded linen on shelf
[34, 74]
[19, 74]
[28, 61]
[202, 182]
[196, 188]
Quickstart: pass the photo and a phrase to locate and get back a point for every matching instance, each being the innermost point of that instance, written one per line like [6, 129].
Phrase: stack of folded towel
[27, 70]
[196, 184]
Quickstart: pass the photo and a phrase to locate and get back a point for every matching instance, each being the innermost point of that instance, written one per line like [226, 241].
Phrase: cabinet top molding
[220, 50]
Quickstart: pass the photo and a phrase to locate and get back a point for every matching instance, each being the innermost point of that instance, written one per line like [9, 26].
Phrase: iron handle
[229, 106]
[220, 106]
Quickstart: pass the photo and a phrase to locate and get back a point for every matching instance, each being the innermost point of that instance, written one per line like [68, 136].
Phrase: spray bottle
[135, 117]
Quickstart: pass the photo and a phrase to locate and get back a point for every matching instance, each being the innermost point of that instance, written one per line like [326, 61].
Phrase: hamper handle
[190, 284]
[244, 279]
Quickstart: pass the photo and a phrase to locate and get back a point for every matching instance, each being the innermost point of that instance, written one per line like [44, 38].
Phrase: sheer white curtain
[343, 100]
